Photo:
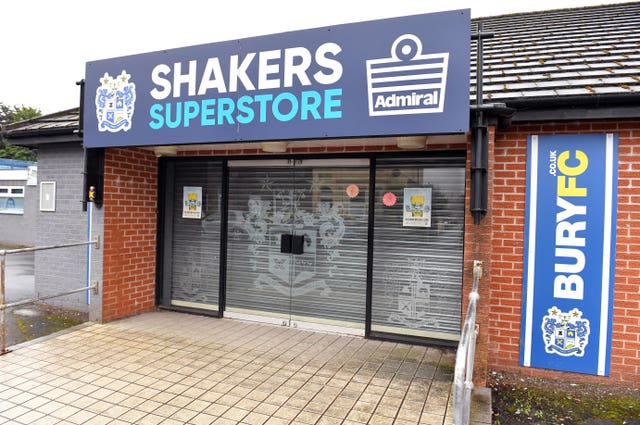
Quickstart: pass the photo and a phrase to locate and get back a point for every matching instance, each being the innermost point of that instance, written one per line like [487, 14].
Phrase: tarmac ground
[35, 320]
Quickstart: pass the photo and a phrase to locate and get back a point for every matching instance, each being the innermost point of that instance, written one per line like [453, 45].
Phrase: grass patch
[519, 401]
[39, 320]
[23, 326]
[60, 321]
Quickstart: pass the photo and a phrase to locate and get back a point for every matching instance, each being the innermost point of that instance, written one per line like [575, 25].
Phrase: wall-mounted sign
[317, 83]
[48, 196]
[191, 202]
[32, 175]
[417, 207]
[569, 259]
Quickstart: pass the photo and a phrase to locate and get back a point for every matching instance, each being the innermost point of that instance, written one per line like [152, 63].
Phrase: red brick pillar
[130, 226]
[478, 246]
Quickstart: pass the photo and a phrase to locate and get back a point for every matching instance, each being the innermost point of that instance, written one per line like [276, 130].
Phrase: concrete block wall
[64, 269]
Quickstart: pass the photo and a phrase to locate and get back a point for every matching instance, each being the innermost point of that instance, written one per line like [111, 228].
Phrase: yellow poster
[191, 202]
[417, 207]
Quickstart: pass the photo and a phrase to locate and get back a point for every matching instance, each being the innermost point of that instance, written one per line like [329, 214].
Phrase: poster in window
[32, 175]
[192, 202]
[417, 207]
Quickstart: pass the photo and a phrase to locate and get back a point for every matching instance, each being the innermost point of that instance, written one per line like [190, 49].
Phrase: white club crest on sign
[566, 334]
[115, 99]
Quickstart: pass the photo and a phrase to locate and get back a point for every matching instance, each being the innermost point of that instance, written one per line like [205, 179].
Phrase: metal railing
[463, 377]
[3, 306]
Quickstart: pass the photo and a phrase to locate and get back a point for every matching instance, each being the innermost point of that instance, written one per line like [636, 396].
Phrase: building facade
[18, 201]
[376, 234]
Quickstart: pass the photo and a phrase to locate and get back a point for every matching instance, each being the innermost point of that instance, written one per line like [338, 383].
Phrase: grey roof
[59, 127]
[559, 53]
[587, 53]
[59, 122]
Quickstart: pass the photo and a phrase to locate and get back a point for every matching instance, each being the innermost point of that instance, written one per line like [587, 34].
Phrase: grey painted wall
[65, 269]
[20, 229]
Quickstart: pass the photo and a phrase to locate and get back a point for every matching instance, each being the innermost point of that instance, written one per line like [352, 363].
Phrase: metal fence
[4, 306]
[463, 378]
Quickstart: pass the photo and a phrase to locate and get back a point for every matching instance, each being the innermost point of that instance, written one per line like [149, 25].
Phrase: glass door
[258, 283]
[418, 247]
[191, 228]
[297, 243]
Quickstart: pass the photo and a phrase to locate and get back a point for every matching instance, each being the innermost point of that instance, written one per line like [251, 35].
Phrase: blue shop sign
[398, 76]
[569, 261]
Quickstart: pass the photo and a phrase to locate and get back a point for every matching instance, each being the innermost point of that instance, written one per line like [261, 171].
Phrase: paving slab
[167, 367]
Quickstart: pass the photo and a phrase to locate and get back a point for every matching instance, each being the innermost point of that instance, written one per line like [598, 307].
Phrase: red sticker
[389, 199]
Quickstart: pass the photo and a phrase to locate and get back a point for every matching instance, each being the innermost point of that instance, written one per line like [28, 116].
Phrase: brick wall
[477, 246]
[508, 250]
[224, 151]
[130, 203]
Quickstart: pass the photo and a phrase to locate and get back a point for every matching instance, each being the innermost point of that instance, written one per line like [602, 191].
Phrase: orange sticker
[352, 190]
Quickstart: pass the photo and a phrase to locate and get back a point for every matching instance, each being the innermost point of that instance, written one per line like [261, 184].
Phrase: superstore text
[281, 85]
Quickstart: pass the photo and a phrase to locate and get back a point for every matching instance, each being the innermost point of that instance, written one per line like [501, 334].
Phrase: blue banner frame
[569, 259]
[397, 76]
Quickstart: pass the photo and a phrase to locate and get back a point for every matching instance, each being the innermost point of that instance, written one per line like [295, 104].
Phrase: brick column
[130, 205]
[478, 246]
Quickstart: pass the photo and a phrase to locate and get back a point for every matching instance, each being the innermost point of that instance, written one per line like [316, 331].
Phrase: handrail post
[3, 256]
[465, 356]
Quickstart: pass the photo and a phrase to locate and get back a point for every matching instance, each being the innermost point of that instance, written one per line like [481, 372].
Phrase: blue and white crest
[115, 100]
[566, 334]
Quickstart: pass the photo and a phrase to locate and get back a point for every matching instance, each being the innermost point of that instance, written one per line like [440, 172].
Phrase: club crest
[115, 99]
[566, 334]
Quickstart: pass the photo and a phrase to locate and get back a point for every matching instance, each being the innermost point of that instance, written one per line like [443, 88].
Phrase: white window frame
[12, 192]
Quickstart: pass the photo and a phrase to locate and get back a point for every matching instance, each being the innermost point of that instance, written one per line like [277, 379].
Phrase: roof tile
[566, 52]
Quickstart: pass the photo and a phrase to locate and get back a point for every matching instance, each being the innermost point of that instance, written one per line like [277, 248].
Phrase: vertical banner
[569, 257]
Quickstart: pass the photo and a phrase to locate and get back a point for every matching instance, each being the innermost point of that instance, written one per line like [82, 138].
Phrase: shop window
[11, 199]
[418, 247]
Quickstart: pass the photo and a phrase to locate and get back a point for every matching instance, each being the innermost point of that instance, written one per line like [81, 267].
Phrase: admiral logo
[115, 101]
[408, 82]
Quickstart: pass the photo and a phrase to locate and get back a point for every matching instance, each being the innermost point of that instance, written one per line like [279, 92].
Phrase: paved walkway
[173, 368]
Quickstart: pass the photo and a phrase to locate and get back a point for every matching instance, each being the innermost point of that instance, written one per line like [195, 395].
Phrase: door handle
[292, 244]
[285, 244]
[297, 244]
